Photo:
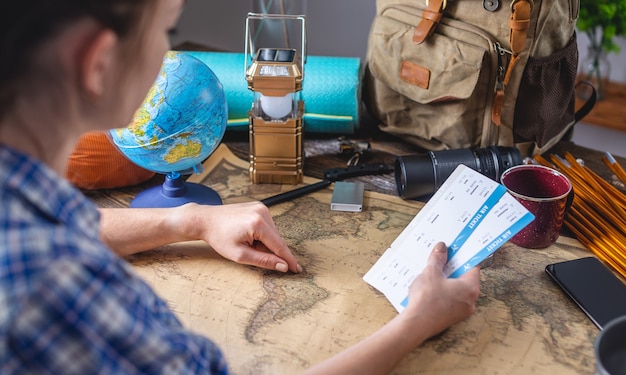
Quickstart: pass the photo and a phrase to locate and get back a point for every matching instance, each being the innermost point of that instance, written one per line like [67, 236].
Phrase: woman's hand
[244, 233]
[435, 303]
[438, 302]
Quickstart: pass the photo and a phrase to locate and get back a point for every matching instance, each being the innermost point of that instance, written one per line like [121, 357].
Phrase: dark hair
[26, 24]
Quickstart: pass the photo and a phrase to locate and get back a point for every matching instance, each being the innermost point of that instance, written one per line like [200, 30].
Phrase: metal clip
[500, 74]
[500, 50]
[356, 148]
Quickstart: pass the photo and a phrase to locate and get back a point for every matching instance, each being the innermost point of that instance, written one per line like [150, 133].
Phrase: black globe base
[175, 192]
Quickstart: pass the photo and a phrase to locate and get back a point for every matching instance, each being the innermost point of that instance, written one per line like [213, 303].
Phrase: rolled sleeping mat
[331, 90]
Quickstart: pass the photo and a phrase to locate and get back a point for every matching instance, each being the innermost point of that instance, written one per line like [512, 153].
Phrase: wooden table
[524, 323]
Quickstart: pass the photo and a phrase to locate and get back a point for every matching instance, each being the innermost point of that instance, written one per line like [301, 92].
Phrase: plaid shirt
[69, 305]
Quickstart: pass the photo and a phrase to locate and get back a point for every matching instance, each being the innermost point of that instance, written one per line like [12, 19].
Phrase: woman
[71, 304]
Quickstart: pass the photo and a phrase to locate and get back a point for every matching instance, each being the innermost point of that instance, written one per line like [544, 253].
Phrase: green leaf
[608, 15]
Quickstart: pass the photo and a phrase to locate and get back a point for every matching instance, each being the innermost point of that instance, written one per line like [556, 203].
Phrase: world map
[272, 323]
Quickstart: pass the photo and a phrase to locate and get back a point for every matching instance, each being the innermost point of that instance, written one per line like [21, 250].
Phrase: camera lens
[420, 175]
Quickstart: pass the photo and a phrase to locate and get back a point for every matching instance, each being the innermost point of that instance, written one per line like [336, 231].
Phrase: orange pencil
[614, 166]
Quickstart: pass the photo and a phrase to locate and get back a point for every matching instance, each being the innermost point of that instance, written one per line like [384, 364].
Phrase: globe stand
[175, 192]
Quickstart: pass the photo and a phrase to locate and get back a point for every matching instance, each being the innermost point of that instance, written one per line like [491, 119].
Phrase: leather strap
[519, 23]
[496, 109]
[430, 18]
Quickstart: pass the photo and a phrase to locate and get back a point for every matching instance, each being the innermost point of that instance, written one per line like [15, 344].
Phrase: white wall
[617, 61]
[334, 28]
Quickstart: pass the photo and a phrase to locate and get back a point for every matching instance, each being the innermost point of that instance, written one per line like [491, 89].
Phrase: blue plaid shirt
[69, 305]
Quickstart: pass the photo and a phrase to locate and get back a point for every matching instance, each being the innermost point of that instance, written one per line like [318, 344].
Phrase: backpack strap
[518, 32]
[519, 23]
[430, 19]
[589, 103]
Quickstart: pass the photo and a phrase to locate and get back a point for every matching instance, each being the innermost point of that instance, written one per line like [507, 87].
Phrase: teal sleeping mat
[331, 91]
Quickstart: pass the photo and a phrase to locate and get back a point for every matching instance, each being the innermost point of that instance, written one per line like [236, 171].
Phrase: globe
[180, 123]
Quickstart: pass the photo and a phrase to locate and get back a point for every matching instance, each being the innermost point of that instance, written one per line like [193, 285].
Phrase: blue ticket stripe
[405, 302]
[487, 250]
[491, 201]
[493, 246]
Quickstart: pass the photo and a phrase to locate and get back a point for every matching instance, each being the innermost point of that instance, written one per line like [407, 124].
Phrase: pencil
[597, 216]
[614, 166]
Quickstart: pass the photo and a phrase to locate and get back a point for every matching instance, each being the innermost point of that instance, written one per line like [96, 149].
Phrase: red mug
[544, 192]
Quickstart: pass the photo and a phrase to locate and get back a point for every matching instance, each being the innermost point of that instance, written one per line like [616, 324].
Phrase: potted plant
[602, 21]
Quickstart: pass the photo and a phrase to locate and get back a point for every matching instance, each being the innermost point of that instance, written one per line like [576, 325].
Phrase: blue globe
[182, 120]
[180, 123]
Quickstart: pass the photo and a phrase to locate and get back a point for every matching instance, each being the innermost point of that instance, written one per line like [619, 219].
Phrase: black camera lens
[420, 175]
